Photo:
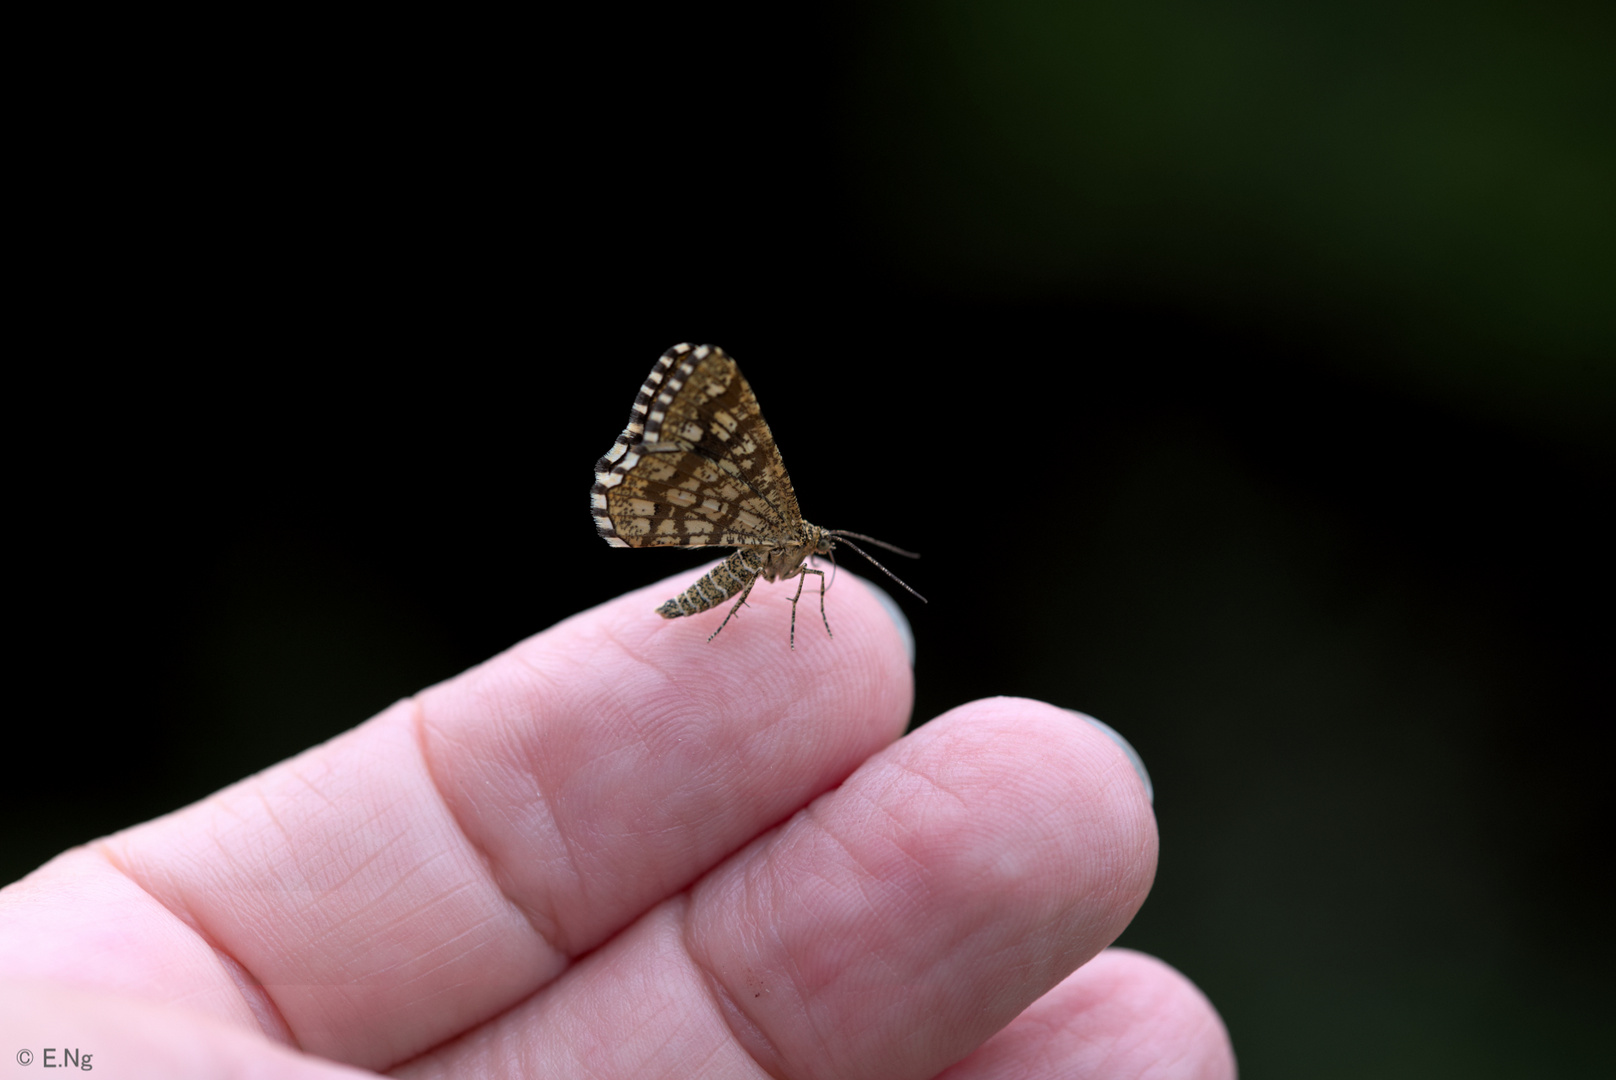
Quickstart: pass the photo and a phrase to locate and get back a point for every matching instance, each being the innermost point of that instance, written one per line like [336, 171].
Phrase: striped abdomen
[735, 574]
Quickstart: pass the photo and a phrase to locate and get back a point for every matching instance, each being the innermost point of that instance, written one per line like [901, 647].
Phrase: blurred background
[1247, 376]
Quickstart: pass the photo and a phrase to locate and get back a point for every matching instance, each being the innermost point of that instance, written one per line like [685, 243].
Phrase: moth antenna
[878, 543]
[878, 566]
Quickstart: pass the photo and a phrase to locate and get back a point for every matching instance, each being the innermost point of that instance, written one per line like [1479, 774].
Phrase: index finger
[421, 873]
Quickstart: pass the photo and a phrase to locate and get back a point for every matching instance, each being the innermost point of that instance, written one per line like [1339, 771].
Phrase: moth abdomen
[734, 575]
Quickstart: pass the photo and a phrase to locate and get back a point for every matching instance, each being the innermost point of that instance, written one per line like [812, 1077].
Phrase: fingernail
[1127, 748]
[898, 617]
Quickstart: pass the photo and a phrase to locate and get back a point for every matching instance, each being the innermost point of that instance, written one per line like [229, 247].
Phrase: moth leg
[744, 594]
[822, 616]
[801, 580]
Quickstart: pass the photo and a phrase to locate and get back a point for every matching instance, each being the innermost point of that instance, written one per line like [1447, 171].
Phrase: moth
[697, 467]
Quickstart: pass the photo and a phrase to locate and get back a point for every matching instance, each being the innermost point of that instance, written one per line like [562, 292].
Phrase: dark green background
[1245, 374]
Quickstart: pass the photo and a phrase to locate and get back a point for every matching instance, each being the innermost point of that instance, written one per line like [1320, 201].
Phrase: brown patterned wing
[696, 465]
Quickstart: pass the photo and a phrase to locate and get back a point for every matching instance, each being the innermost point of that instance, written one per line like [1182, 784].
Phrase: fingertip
[1079, 771]
[1172, 1026]
[1018, 838]
[899, 619]
[1124, 1014]
[1134, 759]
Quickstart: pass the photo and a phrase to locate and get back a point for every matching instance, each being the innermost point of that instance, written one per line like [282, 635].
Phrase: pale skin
[619, 851]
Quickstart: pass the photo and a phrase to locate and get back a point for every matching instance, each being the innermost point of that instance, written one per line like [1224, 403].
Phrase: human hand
[618, 850]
